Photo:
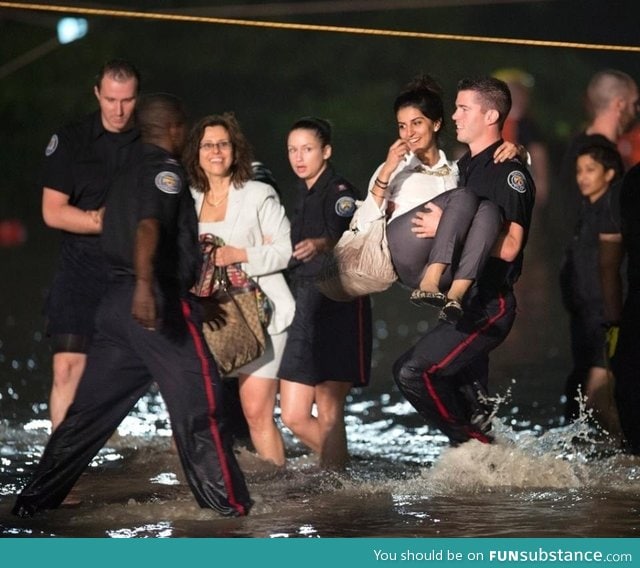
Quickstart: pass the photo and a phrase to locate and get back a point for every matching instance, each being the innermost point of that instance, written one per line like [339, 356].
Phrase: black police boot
[480, 409]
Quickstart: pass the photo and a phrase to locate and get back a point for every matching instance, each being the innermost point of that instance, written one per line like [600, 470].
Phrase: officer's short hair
[157, 112]
[494, 93]
[120, 70]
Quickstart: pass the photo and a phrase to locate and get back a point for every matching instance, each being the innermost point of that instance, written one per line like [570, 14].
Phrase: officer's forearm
[509, 243]
[72, 219]
[147, 236]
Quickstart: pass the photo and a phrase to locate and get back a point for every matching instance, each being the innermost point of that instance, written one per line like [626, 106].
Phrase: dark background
[270, 77]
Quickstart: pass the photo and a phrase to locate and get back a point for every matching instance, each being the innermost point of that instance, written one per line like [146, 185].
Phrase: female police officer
[329, 345]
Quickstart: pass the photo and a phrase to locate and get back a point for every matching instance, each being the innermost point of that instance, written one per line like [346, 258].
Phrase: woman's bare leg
[258, 399]
[296, 405]
[330, 400]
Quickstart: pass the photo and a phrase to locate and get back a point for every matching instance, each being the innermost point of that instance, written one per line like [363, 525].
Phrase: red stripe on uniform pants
[213, 425]
[426, 375]
[445, 413]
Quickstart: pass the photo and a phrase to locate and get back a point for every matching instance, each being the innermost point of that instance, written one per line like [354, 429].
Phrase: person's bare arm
[610, 256]
[397, 152]
[59, 214]
[143, 306]
[509, 242]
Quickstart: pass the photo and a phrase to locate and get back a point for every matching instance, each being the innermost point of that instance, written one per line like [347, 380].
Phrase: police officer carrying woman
[328, 350]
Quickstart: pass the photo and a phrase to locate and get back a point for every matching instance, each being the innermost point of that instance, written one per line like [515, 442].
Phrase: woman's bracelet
[383, 196]
[381, 184]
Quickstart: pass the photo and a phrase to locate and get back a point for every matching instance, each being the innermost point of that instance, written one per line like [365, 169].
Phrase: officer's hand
[143, 306]
[611, 340]
[426, 222]
[308, 248]
[96, 216]
[214, 313]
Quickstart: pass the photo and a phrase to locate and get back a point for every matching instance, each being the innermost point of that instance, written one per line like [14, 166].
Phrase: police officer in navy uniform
[81, 162]
[445, 375]
[328, 348]
[146, 330]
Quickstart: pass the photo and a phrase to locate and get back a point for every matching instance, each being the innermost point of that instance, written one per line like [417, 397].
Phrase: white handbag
[359, 264]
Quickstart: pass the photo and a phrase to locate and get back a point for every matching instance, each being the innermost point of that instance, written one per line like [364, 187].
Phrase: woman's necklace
[217, 203]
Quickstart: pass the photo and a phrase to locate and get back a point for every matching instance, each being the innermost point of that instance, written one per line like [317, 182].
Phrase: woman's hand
[397, 152]
[508, 150]
[226, 255]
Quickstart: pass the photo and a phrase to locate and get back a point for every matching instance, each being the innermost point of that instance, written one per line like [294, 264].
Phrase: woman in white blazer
[248, 216]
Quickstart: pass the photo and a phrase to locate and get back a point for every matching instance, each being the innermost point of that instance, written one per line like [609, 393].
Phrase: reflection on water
[542, 478]
[404, 481]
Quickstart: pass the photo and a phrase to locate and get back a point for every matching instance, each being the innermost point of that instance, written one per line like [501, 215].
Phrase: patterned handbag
[236, 311]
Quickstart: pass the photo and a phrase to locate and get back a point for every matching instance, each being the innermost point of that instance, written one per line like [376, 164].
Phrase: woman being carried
[416, 179]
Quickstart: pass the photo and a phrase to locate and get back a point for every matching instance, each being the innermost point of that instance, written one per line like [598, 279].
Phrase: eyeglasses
[220, 146]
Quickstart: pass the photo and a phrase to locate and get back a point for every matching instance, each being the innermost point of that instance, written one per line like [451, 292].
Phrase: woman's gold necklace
[216, 203]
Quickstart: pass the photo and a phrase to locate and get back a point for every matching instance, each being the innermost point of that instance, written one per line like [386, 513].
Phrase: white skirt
[268, 364]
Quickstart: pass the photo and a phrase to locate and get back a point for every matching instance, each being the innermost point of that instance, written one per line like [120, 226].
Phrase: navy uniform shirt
[324, 210]
[509, 185]
[82, 160]
[155, 187]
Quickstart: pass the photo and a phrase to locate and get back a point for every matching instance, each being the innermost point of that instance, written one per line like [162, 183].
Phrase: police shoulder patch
[345, 206]
[517, 181]
[52, 146]
[168, 182]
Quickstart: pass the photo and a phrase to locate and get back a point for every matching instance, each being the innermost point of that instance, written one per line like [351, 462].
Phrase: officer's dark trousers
[626, 369]
[433, 374]
[122, 362]
[466, 233]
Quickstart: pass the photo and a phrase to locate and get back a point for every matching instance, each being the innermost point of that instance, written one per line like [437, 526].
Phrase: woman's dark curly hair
[241, 170]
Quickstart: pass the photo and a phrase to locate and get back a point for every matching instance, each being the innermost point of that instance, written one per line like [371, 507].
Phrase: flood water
[541, 478]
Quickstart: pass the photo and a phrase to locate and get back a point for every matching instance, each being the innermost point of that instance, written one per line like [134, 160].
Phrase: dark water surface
[541, 478]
